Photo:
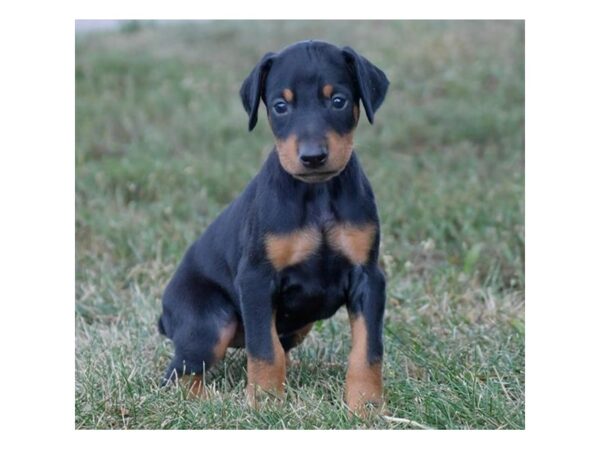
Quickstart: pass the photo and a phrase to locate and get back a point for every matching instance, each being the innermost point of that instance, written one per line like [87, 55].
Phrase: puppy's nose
[312, 155]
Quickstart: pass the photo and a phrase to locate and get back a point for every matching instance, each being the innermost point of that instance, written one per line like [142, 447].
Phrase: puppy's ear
[253, 88]
[371, 82]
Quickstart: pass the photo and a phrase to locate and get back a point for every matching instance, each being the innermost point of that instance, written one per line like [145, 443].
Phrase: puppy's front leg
[266, 357]
[364, 383]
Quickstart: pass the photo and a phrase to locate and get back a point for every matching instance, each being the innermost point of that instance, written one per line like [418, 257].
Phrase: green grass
[162, 146]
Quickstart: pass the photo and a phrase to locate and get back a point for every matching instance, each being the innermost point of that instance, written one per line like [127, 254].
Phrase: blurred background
[162, 147]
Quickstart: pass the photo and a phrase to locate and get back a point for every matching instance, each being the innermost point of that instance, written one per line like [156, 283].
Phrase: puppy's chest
[314, 242]
[314, 264]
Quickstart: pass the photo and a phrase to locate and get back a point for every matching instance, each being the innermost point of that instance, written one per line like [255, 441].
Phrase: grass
[162, 146]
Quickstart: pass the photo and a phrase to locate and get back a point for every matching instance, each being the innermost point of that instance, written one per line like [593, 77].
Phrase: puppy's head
[311, 91]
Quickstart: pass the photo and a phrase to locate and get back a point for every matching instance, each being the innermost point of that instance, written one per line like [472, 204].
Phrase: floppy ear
[371, 81]
[253, 87]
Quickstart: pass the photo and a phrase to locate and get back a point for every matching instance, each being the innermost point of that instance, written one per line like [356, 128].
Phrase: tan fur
[364, 383]
[194, 385]
[327, 91]
[267, 376]
[353, 242]
[339, 147]
[340, 150]
[227, 334]
[287, 151]
[301, 334]
[289, 249]
[288, 95]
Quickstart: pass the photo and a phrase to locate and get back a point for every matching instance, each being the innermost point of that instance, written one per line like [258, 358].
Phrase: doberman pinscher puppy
[301, 241]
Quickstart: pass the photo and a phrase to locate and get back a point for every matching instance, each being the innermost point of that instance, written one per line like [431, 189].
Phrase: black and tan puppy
[301, 240]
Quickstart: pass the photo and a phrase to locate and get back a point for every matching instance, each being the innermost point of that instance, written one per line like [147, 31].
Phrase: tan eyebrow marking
[288, 95]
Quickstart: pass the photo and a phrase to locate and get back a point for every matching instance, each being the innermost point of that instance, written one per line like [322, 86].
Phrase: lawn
[162, 147]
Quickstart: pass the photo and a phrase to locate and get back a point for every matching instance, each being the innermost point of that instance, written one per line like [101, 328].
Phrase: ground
[162, 146]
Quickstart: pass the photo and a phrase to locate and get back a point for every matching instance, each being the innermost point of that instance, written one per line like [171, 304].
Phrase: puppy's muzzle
[312, 155]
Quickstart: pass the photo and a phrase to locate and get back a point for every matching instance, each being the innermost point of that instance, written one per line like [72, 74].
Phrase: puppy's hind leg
[201, 323]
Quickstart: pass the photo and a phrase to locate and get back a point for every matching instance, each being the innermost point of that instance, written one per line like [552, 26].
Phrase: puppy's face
[313, 110]
[311, 91]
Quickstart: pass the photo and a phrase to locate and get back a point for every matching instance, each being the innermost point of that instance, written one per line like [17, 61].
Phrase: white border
[37, 187]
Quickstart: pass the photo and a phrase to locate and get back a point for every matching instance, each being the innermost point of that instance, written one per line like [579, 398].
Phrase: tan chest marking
[353, 242]
[292, 248]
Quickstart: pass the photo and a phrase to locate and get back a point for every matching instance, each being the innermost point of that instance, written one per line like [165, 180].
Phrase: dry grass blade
[404, 421]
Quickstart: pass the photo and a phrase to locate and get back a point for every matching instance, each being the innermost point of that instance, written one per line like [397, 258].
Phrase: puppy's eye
[338, 102]
[280, 108]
